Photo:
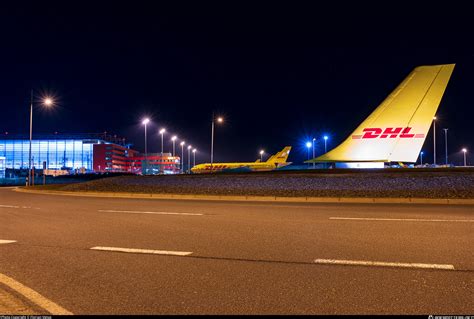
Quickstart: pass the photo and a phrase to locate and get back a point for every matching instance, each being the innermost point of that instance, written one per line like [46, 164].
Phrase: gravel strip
[364, 184]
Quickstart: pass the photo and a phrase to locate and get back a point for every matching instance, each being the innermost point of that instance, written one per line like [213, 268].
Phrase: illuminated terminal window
[80, 152]
[58, 154]
[2, 167]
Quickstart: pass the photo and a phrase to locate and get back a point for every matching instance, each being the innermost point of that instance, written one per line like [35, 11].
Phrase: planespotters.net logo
[389, 132]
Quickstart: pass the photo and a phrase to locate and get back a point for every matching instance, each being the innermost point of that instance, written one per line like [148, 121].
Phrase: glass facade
[2, 167]
[57, 153]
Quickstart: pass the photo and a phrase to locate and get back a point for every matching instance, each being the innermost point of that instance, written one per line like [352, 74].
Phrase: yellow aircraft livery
[397, 128]
[275, 161]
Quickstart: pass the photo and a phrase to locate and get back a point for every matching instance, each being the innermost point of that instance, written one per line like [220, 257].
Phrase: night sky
[280, 75]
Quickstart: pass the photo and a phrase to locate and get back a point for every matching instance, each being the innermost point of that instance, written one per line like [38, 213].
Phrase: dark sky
[279, 74]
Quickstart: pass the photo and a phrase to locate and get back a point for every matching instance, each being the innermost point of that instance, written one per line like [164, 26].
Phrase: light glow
[464, 150]
[174, 138]
[220, 119]
[48, 101]
[146, 121]
[308, 144]
[162, 131]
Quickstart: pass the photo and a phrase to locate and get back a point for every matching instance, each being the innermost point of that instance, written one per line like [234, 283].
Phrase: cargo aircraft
[274, 162]
[397, 128]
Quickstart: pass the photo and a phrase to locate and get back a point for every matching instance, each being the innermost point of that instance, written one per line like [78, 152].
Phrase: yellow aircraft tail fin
[397, 128]
[280, 157]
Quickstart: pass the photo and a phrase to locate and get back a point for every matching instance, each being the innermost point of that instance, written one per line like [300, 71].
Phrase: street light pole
[174, 140]
[434, 140]
[219, 119]
[261, 155]
[182, 156]
[194, 157]
[47, 102]
[308, 146]
[446, 144]
[314, 164]
[212, 140]
[31, 138]
[421, 158]
[464, 151]
[162, 132]
[145, 122]
[325, 147]
[189, 158]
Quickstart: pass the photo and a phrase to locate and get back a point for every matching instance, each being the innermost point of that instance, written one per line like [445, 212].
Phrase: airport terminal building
[84, 153]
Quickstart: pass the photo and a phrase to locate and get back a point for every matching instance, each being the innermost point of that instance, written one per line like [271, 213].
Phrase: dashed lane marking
[4, 241]
[13, 206]
[141, 212]
[9, 206]
[143, 251]
[383, 264]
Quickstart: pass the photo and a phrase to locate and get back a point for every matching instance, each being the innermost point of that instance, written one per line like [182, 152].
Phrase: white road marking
[13, 206]
[143, 251]
[9, 206]
[383, 264]
[34, 296]
[140, 212]
[406, 219]
[4, 241]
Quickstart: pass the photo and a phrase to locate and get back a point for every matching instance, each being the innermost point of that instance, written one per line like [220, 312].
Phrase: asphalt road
[242, 258]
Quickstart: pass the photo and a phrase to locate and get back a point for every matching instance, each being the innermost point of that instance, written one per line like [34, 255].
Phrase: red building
[157, 164]
[112, 157]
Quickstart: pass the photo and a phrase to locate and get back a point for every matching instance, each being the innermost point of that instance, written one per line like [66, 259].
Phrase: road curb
[353, 200]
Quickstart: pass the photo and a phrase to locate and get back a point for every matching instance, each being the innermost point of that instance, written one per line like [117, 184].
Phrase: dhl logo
[389, 132]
